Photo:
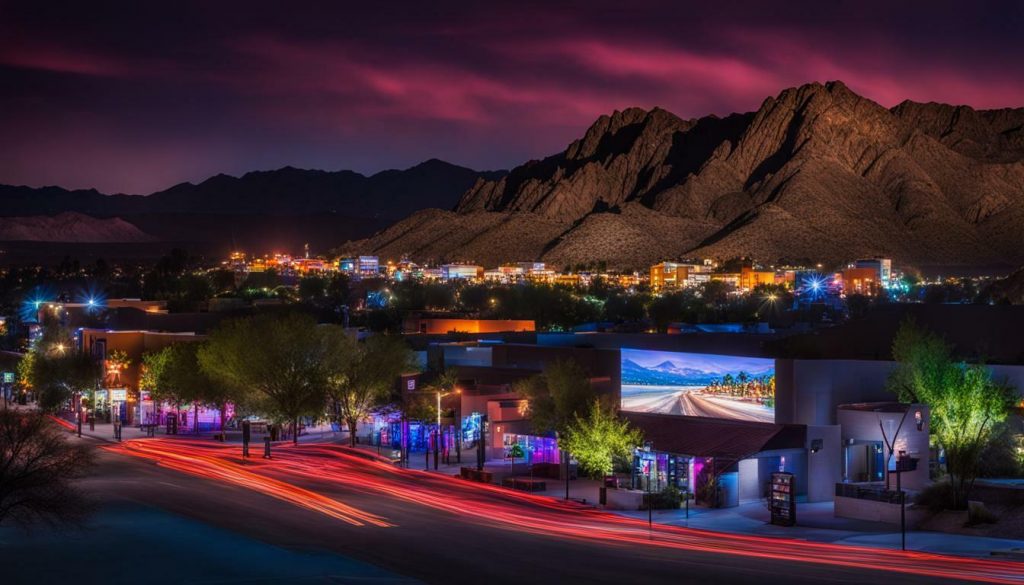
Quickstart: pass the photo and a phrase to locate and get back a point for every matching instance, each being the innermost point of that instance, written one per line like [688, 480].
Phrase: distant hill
[70, 227]
[287, 192]
[260, 211]
[816, 173]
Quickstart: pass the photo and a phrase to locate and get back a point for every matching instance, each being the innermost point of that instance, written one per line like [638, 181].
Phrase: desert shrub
[935, 497]
[979, 514]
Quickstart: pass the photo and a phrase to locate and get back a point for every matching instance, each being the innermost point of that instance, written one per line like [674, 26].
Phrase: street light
[437, 431]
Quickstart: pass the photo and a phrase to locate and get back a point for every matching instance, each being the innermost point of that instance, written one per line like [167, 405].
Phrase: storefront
[656, 470]
[534, 449]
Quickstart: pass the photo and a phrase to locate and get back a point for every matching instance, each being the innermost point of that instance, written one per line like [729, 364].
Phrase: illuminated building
[568, 279]
[368, 265]
[541, 275]
[861, 281]
[463, 271]
[882, 268]
[669, 275]
[120, 395]
[677, 275]
[433, 326]
[750, 278]
[730, 278]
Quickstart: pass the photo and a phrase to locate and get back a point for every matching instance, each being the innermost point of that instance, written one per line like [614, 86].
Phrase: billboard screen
[696, 384]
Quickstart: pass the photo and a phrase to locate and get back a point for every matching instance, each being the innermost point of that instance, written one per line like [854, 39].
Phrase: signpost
[903, 463]
[8, 381]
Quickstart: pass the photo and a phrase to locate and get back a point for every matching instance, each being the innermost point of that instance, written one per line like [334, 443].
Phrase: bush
[670, 498]
[936, 497]
[977, 513]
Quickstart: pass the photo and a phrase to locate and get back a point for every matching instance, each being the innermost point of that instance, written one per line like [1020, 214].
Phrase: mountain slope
[817, 172]
[70, 227]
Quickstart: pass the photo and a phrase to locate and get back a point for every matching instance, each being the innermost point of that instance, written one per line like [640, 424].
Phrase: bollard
[266, 447]
[246, 437]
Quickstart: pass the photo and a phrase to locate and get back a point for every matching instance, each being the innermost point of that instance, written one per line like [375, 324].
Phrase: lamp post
[437, 432]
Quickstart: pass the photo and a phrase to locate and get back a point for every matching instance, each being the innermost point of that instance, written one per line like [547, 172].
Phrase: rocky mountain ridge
[817, 172]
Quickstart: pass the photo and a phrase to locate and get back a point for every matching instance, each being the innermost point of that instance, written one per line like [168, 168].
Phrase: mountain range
[668, 373]
[282, 208]
[817, 173]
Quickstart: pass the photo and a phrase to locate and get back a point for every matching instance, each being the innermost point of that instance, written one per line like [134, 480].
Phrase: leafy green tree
[281, 362]
[182, 380]
[599, 439]
[555, 397]
[363, 377]
[966, 404]
[57, 376]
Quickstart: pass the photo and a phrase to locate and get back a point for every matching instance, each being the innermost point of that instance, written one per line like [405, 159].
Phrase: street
[321, 497]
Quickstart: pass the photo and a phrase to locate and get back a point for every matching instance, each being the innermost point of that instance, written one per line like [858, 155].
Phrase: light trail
[490, 505]
[547, 516]
[188, 457]
[67, 425]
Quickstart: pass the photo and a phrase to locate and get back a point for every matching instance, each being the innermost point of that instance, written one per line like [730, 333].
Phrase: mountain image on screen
[698, 385]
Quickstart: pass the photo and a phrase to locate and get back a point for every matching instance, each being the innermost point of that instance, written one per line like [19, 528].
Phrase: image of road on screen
[693, 384]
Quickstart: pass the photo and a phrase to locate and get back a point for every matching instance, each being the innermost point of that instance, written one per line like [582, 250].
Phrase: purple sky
[135, 96]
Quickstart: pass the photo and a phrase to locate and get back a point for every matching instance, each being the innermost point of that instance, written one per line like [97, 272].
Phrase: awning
[730, 440]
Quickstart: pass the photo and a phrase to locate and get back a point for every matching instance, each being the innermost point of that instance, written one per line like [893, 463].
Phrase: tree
[965, 402]
[599, 439]
[182, 380]
[364, 375]
[37, 466]
[556, 396]
[55, 378]
[284, 360]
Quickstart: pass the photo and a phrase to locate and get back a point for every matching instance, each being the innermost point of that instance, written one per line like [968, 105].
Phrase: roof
[713, 437]
[988, 333]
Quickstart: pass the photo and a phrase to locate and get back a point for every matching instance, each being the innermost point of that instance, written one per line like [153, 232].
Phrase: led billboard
[696, 384]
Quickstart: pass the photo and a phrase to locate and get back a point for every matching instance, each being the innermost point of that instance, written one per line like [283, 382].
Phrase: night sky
[132, 97]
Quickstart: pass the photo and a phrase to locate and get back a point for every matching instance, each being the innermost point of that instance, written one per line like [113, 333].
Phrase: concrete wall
[809, 391]
[862, 425]
[824, 467]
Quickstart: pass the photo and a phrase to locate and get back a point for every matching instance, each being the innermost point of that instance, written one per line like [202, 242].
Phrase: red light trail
[190, 457]
[510, 510]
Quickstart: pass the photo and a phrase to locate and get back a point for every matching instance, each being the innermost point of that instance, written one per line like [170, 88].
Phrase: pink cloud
[64, 61]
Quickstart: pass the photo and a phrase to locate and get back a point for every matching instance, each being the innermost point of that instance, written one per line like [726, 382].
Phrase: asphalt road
[444, 530]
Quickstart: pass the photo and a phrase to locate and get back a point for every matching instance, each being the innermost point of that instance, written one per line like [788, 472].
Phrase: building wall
[825, 465]
[863, 425]
[135, 344]
[432, 326]
[809, 391]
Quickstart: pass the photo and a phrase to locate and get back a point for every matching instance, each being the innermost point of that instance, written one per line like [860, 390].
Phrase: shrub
[977, 513]
[935, 497]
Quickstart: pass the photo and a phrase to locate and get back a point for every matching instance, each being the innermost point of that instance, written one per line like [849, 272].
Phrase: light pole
[437, 432]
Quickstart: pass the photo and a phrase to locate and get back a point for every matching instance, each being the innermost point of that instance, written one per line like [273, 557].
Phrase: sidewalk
[816, 522]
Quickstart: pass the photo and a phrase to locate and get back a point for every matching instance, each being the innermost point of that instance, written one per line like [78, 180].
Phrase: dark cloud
[125, 96]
